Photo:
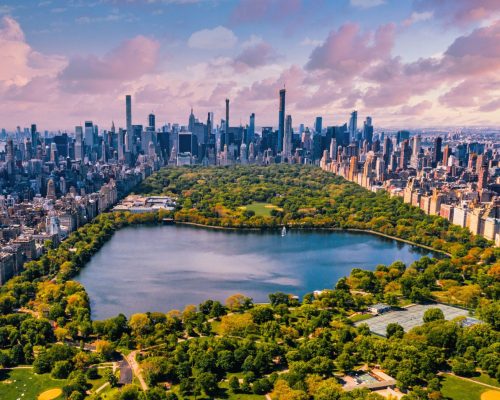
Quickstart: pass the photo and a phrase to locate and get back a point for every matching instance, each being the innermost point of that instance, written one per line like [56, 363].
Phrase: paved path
[102, 387]
[136, 369]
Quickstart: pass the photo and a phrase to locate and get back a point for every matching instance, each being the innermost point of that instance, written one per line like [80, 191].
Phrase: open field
[484, 378]
[260, 209]
[24, 384]
[455, 388]
[410, 317]
[15, 382]
[360, 317]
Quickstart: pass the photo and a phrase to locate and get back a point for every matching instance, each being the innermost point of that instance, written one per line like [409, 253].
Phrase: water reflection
[164, 267]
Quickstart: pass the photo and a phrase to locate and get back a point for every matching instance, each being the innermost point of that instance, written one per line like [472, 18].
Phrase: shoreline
[369, 231]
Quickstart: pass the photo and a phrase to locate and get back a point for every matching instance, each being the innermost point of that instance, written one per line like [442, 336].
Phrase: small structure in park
[379, 308]
[374, 379]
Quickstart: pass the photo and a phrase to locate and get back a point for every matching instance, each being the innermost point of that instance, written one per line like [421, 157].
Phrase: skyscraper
[121, 155]
[78, 143]
[353, 125]
[89, 134]
[192, 121]
[417, 144]
[152, 121]
[318, 125]
[281, 121]
[446, 154]
[368, 130]
[227, 115]
[437, 155]
[10, 157]
[34, 138]
[251, 129]
[287, 143]
[210, 121]
[128, 111]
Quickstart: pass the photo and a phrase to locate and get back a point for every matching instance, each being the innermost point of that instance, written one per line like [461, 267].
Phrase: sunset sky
[406, 63]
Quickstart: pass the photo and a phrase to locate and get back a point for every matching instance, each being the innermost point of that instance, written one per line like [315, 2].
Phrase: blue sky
[387, 58]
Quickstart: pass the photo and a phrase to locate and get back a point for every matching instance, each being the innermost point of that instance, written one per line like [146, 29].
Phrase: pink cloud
[348, 51]
[255, 56]
[464, 94]
[20, 62]
[461, 12]
[417, 109]
[11, 30]
[491, 106]
[131, 60]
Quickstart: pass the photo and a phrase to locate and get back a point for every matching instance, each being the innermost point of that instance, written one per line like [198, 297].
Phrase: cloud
[416, 17]
[11, 30]
[467, 74]
[20, 63]
[366, 3]
[216, 38]
[416, 109]
[461, 12]
[311, 42]
[252, 41]
[255, 56]
[348, 51]
[264, 10]
[131, 60]
[491, 106]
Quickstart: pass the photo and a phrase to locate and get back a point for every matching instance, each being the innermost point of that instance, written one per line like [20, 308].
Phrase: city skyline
[411, 64]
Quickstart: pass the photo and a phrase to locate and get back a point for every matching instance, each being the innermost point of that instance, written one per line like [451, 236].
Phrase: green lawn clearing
[484, 378]
[25, 384]
[260, 209]
[455, 388]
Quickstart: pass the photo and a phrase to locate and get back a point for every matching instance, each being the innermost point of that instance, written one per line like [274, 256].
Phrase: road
[125, 372]
[132, 362]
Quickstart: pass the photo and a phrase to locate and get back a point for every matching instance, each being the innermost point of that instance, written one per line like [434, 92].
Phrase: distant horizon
[406, 63]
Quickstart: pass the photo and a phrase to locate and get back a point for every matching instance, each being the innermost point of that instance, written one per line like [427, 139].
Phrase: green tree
[433, 314]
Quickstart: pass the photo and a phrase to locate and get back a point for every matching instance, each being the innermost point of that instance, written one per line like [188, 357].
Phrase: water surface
[159, 268]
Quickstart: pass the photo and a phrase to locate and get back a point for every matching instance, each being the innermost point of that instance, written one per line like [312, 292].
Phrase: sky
[406, 63]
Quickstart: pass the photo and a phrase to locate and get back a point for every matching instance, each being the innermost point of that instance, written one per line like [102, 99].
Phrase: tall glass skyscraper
[128, 111]
[281, 121]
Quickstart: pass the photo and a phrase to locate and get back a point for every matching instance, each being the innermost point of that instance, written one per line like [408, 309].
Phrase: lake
[159, 268]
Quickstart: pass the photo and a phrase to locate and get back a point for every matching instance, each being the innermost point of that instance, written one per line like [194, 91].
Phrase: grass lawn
[484, 378]
[457, 389]
[224, 393]
[360, 317]
[260, 209]
[16, 382]
[216, 327]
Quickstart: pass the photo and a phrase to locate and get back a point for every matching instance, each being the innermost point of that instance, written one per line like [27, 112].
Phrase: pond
[159, 268]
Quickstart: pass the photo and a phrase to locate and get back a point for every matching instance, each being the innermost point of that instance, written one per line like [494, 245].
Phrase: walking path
[471, 380]
[102, 387]
[136, 369]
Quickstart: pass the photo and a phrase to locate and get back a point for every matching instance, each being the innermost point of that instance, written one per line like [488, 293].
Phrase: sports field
[24, 384]
[409, 317]
[260, 209]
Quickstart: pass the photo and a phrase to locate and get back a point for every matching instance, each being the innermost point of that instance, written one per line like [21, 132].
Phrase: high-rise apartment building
[281, 120]
[128, 114]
